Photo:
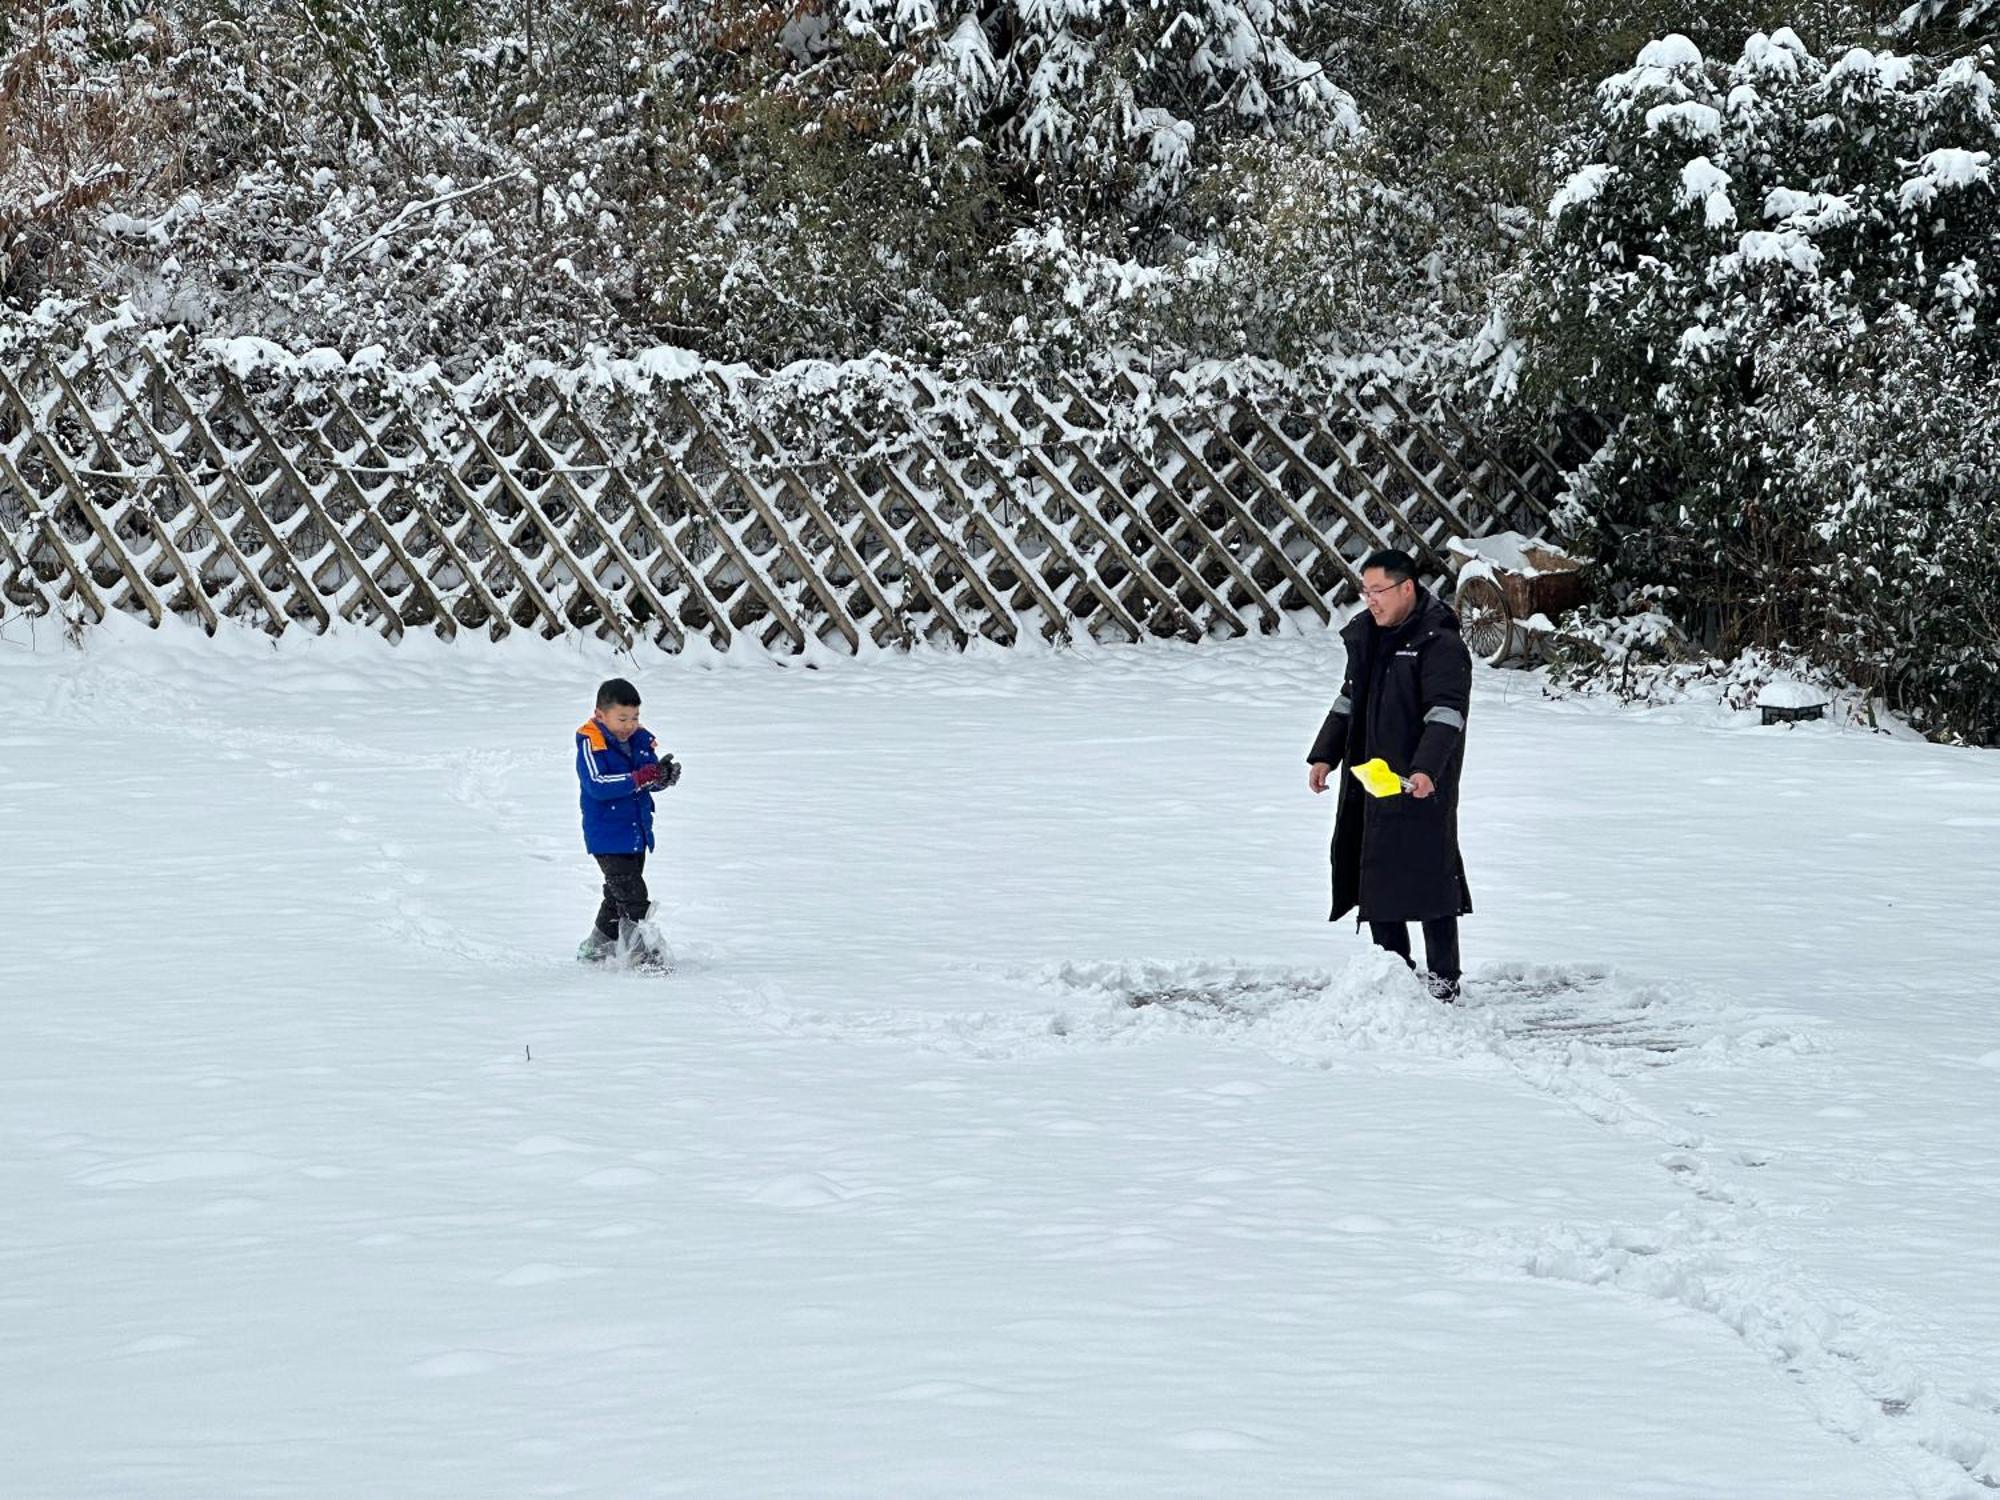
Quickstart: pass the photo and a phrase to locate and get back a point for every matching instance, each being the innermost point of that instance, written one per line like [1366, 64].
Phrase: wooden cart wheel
[1484, 621]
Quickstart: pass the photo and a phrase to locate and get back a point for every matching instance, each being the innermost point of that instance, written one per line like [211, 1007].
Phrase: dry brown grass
[78, 133]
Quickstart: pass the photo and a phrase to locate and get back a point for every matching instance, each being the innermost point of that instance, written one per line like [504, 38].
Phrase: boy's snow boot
[596, 948]
[1442, 987]
[641, 945]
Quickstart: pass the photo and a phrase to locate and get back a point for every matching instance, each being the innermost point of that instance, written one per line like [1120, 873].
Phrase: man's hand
[1421, 786]
[1316, 776]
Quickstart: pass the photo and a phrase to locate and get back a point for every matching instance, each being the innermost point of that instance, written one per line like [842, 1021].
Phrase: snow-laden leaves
[1768, 275]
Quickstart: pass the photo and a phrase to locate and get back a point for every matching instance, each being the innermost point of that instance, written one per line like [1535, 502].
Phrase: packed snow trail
[1012, 1125]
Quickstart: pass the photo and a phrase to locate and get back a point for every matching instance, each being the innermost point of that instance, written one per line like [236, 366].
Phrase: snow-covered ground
[1015, 1125]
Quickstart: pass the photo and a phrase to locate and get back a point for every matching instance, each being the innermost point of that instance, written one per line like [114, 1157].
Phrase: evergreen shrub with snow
[1774, 278]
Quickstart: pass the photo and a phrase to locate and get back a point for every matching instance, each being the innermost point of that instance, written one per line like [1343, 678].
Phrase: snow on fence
[671, 500]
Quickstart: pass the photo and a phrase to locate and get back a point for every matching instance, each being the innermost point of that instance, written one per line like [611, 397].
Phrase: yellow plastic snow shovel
[1379, 779]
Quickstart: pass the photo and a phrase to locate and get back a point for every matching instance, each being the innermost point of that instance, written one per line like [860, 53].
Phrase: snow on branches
[761, 179]
[85, 120]
[1056, 83]
[1774, 274]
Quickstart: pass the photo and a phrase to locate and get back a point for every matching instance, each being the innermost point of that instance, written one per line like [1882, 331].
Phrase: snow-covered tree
[1900, 445]
[1010, 181]
[1739, 253]
[1119, 97]
[760, 179]
[1949, 20]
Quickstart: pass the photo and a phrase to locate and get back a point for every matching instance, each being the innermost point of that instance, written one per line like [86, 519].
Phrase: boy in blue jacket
[619, 767]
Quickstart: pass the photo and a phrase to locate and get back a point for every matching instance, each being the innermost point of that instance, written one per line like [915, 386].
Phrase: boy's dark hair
[616, 692]
[1400, 566]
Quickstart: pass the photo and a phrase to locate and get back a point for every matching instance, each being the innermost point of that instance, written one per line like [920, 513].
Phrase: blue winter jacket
[617, 816]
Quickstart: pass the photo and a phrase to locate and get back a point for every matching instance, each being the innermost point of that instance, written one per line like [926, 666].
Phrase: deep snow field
[1014, 1125]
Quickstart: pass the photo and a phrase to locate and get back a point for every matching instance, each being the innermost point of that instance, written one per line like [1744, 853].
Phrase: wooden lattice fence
[142, 477]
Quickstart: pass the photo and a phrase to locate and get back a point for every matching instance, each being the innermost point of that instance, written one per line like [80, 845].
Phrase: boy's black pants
[1440, 943]
[624, 891]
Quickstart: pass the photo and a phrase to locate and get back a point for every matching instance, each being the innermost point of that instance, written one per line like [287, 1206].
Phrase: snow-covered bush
[86, 125]
[756, 179]
[1632, 625]
[1312, 255]
[984, 186]
[1901, 442]
[1949, 21]
[1102, 105]
[1772, 278]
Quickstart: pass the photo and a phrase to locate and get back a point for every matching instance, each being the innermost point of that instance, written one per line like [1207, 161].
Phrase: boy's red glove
[645, 778]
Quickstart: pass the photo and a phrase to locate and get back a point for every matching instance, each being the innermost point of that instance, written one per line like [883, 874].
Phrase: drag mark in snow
[1642, 1023]
[1224, 994]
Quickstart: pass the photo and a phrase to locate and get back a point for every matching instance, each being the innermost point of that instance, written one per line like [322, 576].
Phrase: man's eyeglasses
[1384, 591]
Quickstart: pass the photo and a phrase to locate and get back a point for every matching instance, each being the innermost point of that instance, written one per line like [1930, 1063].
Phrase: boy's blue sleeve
[603, 786]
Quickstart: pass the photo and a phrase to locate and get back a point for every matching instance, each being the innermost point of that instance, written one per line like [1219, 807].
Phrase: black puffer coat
[1404, 699]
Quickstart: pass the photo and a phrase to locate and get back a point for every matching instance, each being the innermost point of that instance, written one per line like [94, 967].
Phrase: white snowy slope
[1015, 1124]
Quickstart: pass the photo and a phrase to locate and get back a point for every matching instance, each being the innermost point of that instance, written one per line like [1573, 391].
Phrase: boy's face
[620, 718]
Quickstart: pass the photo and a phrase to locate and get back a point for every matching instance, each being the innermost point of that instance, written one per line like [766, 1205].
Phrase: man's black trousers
[624, 891]
[1440, 944]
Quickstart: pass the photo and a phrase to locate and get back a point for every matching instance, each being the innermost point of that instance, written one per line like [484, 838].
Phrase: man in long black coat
[1405, 697]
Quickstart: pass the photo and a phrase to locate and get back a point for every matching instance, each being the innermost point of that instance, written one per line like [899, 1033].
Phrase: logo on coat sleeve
[1410, 652]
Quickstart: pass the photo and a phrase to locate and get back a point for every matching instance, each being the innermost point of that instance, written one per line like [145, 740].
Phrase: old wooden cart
[1509, 590]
